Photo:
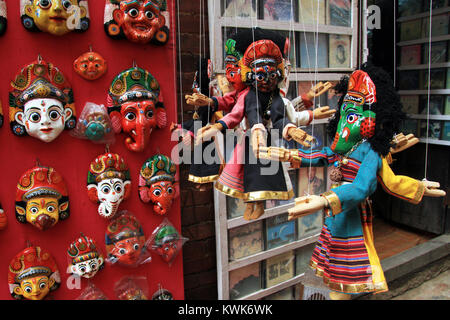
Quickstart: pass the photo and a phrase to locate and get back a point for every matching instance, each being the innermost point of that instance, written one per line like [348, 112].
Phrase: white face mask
[44, 119]
[87, 269]
[110, 193]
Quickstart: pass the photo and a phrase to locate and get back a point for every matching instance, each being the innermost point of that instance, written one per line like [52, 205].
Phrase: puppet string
[429, 88]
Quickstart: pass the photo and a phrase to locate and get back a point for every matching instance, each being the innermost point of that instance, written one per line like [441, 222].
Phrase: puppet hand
[431, 189]
[277, 154]
[207, 132]
[402, 142]
[318, 90]
[323, 113]
[258, 140]
[199, 100]
[300, 136]
[307, 205]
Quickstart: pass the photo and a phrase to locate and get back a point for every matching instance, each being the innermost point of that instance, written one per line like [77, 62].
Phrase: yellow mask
[42, 212]
[35, 288]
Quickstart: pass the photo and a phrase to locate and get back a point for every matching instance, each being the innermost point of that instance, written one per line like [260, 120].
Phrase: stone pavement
[437, 288]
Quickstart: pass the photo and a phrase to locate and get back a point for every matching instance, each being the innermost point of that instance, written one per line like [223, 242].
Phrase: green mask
[354, 125]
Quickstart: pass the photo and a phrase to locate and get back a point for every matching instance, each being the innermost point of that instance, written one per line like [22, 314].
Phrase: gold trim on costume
[207, 179]
[348, 288]
[255, 195]
[333, 202]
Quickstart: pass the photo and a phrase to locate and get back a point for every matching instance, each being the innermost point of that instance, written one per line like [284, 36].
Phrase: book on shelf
[279, 231]
[245, 280]
[439, 27]
[339, 51]
[410, 104]
[309, 225]
[436, 105]
[245, 240]
[278, 10]
[279, 268]
[434, 129]
[339, 13]
[409, 79]
[437, 79]
[240, 8]
[446, 131]
[410, 55]
[438, 52]
[411, 30]
[409, 7]
[308, 11]
[308, 58]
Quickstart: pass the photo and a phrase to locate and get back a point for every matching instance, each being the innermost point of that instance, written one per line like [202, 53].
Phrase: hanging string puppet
[369, 113]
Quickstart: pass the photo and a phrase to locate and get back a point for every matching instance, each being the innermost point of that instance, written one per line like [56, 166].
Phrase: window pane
[302, 258]
[438, 52]
[409, 7]
[239, 8]
[279, 268]
[279, 231]
[310, 58]
[434, 129]
[308, 11]
[279, 10]
[411, 30]
[446, 133]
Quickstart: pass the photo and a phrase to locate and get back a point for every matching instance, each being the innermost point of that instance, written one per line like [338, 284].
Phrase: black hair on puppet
[245, 37]
[388, 109]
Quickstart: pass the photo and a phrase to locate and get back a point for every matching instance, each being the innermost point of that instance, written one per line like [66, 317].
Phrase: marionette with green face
[357, 120]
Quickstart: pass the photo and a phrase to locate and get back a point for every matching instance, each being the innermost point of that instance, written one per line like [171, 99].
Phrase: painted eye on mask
[169, 190]
[149, 114]
[42, 285]
[51, 209]
[106, 190]
[66, 4]
[35, 117]
[352, 118]
[136, 247]
[54, 115]
[45, 4]
[149, 14]
[130, 116]
[260, 77]
[133, 12]
[157, 192]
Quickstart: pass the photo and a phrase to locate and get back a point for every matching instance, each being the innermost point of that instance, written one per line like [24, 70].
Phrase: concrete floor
[437, 288]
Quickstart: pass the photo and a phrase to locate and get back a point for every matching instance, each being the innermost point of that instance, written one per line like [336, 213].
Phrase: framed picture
[439, 27]
[279, 231]
[438, 52]
[235, 207]
[410, 104]
[436, 105]
[311, 180]
[245, 240]
[409, 80]
[411, 55]
[446, 132]
[434, 129]
[437, 79]
[239, 8]
[411, 30]
[308, 51]
[308, 11]
[302, 258]
[447, 106]
[339, 13]
[279, 10]
[294, 181]
[309, 225]
[245, 281]
[279, 268]
[339, 51]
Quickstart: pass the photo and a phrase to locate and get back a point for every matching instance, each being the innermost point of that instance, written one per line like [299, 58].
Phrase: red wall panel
[71, 157]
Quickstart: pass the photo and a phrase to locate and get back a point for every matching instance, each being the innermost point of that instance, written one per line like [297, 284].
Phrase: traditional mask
[167, 242]
[57, 17]
[41, 198]
[41, 102]
[125, 241]
[91, 292]
[3, 17]
[162, 294]
[135, 107]
[262, 65]
[131, 288]
[33, 273]
[140, 21]
[3, 219]
[90, 65]
[94, 124]
[156, 183]
[356, 120]
[84, 258]
[232, 68]
[108, 183]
